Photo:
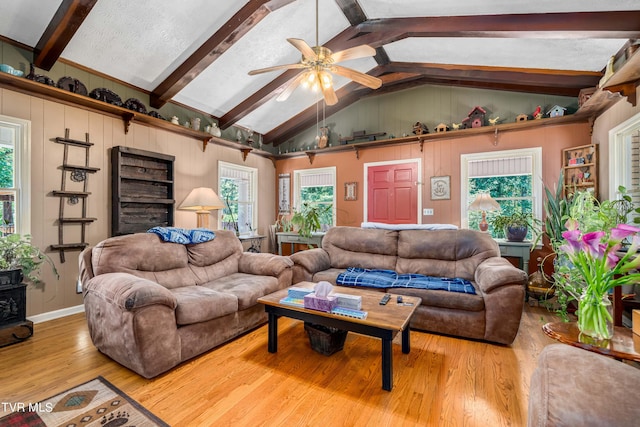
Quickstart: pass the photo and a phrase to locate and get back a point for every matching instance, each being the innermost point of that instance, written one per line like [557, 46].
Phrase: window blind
[634, 190]
[320, 179]
[507, 166]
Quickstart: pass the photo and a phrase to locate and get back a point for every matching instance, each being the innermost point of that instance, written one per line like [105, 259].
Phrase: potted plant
[515, 226]
[20, 259]
[307, 219]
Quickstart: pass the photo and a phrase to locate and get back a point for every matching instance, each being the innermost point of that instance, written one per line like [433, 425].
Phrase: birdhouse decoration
[556, 111]
[522, 118]
[420, 129]
[475, 119]
[442, 128]
[537, 114]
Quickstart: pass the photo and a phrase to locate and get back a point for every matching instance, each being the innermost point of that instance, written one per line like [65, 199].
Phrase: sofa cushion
[246, 287]
[357, 247]
[330, 275]
[144, 255]
[199, 304]
[216, 258]
[575, 387]
[445, 299]
[444, 253]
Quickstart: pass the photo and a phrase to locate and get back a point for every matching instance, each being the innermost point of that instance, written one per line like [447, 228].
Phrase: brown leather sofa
[492, 314]
[151, 305]
[575, 387]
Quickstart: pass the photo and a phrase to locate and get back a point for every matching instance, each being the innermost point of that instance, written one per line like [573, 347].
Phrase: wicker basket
[324, 339]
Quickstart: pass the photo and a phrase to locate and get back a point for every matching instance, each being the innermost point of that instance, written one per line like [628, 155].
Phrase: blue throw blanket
[390, 279]
[182, 235]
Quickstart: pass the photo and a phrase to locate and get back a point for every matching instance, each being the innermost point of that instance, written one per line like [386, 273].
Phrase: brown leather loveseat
[492, 314]
[151, 305]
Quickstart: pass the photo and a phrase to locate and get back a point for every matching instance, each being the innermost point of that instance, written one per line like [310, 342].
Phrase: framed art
[284, 193]
[441, 187]
[351, 191]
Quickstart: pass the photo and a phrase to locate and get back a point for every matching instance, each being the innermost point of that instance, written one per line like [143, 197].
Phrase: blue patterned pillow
[182, 235]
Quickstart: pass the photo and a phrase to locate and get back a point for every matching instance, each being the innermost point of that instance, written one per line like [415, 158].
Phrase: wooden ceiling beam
[64, 24]
[236, 27]
[501, 75]
[625, 24]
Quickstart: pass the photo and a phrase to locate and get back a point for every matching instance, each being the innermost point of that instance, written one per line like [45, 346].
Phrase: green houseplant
[515, 226]
[17, 252]
[307, 219]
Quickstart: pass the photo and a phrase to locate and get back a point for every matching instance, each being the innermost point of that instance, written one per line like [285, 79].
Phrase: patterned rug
[94, 403]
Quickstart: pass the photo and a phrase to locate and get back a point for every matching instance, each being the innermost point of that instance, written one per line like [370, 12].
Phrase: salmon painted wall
[440, 157]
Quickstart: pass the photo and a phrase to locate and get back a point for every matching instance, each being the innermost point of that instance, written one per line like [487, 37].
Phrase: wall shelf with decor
[357, 147]
[141, 190]
[580, 169]
[33, 88]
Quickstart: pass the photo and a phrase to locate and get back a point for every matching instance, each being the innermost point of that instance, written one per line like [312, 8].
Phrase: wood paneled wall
[193, 168]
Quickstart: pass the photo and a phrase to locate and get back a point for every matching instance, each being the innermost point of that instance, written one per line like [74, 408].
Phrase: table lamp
[484, 203]
[202, 200]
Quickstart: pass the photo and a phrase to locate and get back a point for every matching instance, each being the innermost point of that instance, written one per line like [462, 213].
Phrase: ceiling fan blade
[302, 46]
[330, 97]
[275, 68]
[290, 87]
[357, 76]
[356, 52]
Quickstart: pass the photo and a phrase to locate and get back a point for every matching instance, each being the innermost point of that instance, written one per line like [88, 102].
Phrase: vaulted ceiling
[198, 53]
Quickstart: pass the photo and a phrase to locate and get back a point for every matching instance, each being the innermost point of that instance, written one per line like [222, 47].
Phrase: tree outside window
[236, 186]
[7, 190]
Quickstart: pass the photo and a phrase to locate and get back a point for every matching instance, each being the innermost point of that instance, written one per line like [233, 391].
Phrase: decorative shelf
[356, 147]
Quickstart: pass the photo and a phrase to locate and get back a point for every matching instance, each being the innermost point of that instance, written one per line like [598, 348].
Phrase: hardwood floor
[444, 381]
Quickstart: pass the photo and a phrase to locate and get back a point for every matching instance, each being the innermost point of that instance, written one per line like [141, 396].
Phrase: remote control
[385, 299]
[400, 301]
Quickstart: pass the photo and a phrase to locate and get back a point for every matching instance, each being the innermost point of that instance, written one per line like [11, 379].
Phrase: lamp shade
[202, 200]
[484, 202]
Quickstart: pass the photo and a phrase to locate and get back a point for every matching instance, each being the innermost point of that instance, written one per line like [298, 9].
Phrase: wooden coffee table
[383, 321]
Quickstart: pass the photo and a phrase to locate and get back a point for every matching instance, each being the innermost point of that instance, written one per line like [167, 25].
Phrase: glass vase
[595, 316]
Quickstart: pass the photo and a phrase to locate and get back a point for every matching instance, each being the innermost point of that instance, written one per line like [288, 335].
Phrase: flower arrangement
[596, 269]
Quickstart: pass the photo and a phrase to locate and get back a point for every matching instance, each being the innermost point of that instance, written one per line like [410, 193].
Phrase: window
[624, 159]
[237, 188]
[15, 142]
[316, 187]
[511, 177]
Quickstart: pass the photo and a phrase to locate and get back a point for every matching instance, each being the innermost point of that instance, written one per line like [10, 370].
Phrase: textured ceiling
[154, 45]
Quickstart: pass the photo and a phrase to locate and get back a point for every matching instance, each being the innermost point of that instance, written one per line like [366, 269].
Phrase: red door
[393, 193]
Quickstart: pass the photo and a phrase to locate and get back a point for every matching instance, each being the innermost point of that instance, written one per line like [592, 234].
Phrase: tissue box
[298, 293]
[321, 304]
[349, 301]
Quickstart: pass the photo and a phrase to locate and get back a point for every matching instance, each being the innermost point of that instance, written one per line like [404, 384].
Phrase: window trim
[298, 173]
[536, 172]
[253, 190]
[618, 169]
[23, 175]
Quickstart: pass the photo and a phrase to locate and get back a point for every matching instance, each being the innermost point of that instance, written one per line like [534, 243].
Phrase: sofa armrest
[129, 292]
[307, 263]
[263, 264]
[496, 272]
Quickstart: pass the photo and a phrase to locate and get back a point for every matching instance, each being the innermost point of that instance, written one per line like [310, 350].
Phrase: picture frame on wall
[284, 193]
[441, 187]
[351, 191]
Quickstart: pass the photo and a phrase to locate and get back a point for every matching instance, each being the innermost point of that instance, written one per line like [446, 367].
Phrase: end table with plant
[597, 266]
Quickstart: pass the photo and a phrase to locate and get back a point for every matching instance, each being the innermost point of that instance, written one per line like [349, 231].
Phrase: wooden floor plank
[444, 381]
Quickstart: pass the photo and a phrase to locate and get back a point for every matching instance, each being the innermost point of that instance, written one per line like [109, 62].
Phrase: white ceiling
[142, 42]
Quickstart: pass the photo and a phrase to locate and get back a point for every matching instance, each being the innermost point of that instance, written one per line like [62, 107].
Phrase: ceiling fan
[317, 65]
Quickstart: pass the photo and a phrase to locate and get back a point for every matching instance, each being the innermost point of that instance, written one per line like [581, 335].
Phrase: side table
[621, 346]
[520, 250]
[255, 242]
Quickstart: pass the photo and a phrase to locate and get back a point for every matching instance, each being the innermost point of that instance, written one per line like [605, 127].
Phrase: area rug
[94, 403]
